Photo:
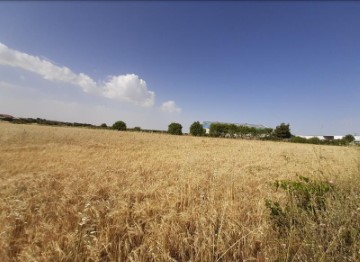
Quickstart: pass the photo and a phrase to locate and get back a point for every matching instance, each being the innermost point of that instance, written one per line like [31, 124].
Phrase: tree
[196, 129]
[175, 129]
[137, 128]
[218, 129]
[232, 129]
[103, 125]
[119, 125]
[282, 131]
[267, 131]
[348, 138]
[243, 130]
[253, 131]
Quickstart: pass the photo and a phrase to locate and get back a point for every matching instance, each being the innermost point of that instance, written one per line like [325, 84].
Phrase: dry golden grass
[74, 194]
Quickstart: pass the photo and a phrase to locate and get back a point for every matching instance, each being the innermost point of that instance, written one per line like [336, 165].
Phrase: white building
[357, 140]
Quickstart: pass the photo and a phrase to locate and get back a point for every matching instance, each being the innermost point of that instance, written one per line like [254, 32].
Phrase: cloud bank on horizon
[130, 87]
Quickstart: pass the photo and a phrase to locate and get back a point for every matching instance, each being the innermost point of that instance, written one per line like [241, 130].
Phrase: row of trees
[315, 140]
[196, 129]
[121, 126]
[281, 132]
[221, 130]
[42, 121]
[231, 130]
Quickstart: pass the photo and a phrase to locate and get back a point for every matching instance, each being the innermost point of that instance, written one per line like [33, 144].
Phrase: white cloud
[127, 87]
[46, 69]
[170, 107]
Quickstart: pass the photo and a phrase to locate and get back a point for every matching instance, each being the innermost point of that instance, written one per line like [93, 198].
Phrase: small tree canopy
[175, 129]
[119, 125]
[282, 131]
[218, 129]
[196, 129]
[137, 128]
[103, 125]
[348, 138]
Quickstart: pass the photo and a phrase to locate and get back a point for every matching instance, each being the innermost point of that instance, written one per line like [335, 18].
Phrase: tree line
[346, 140]
[232, 131]
[42, 121]
[280, 133]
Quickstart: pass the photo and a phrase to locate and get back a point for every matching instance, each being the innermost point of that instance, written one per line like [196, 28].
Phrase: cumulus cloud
[170, 107]
[127, 87]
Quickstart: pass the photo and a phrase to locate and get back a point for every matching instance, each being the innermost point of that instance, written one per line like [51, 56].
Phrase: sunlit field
[77, 194]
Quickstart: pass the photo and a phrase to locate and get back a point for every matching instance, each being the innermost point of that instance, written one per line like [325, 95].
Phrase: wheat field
[76, 194]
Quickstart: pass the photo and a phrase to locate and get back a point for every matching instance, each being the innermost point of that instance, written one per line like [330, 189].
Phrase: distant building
[323, 137]
[206, 125]
[308, 137]
[357, 140]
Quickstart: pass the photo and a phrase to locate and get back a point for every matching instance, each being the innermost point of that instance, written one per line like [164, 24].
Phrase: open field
[75, 194]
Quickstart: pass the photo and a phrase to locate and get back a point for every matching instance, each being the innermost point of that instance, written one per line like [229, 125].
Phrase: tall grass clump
[316, 220]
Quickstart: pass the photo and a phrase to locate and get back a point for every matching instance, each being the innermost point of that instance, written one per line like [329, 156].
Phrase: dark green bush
[119, 125]
[304, 197]
[297, 139]
[196, 129]
[175, 129]
[282, 131]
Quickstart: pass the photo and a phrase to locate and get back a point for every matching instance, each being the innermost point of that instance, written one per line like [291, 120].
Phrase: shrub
[282, 131]
[304, 197]
[175, 129]
[196, 129]
[316, 221]
[119, 125]
[348, 139]
[305, 204]
[314, 140]
[298, 139]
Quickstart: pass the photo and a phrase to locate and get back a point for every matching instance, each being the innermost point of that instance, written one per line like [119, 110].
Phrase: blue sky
[155, 62]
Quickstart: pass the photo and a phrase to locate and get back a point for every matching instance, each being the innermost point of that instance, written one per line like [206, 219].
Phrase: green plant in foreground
[315, 220]
[304, 197]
